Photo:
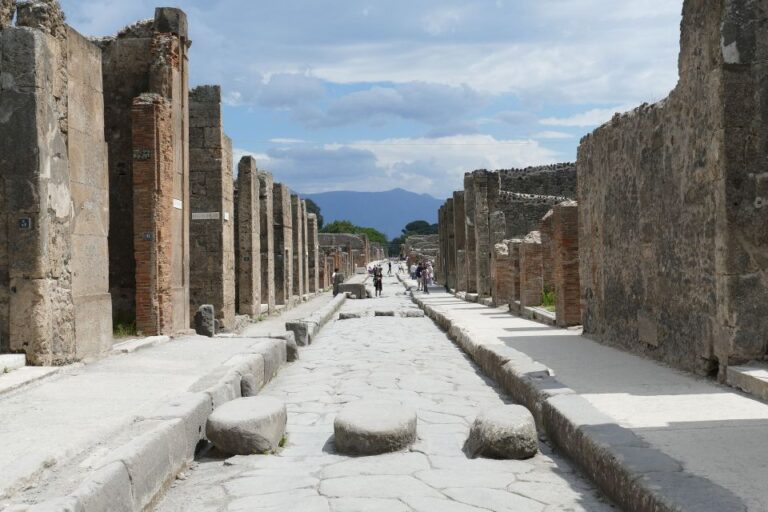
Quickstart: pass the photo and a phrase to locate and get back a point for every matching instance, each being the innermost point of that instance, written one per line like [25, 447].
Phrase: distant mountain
[388, 212]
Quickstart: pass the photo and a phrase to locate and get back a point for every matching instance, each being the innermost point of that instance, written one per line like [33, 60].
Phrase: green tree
[420, 227]
[313, 208]
[345, 226]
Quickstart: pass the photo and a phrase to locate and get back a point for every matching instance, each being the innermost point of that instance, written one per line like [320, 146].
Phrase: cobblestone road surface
[405, 359]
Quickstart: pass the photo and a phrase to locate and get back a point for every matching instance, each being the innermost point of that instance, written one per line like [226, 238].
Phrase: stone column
[152, 213]
[298, 247]
[485, 193]
[565, 231]
[314, 254]
[267, 240]
[547, 252]
[514, 259]
[502, 275]
[531, 281]
[283, 223]
[460, 234]
[450, 256]
[248, 239]
[212, 276]
[305, 238]
[470, 199]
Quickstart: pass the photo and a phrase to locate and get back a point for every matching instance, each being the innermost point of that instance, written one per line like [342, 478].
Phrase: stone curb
[307, 328]
[135, 474]
[633, 474]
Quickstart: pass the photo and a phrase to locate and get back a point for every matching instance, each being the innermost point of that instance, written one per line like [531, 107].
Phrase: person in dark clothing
[378, 281]
[419, 270]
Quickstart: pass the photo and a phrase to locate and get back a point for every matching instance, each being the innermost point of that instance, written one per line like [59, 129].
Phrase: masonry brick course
[531, 277]
[565, 263]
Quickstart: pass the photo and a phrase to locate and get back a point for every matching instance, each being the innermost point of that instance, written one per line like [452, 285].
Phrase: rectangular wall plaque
[178, 204]
[205, 216]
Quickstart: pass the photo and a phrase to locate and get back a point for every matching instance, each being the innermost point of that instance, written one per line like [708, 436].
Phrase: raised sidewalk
[55, 431]
[652, 437]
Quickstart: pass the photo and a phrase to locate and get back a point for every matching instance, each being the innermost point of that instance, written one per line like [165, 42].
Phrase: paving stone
[507, 432]
[445, 478]
[265, 484]
[369, 427]
[441, 505]
[349, 316]
[387, 464]
[494, 499]
[247, 425]
[367, 505]
[387, 486]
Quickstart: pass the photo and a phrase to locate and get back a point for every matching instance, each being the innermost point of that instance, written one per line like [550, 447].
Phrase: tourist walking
[378, 280]
[389, 272]
[425, 278]
[338, 279]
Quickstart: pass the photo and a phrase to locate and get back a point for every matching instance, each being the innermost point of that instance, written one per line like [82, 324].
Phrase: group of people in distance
[424, 274]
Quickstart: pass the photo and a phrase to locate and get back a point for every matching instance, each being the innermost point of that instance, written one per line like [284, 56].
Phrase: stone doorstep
[132, 345]
[751, 378]
[137, 471]
[619, 462]
[21, 377]
[10, 362]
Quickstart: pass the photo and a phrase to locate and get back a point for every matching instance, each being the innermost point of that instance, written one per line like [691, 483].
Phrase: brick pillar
[283, 226]
[314, 254]
[212, 274]
[267, 236]
[297, 220]
[531, 281]
[547, 252]
[514, 260]
[152, 213]
[501, 274]
[248, 239]
[565, 227]
[305, 238]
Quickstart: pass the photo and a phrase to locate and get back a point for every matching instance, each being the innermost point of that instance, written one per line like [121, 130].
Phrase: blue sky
[373, 95]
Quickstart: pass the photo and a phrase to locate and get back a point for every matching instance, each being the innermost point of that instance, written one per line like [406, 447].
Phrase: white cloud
[551, 135]
[594, 117]
[262, 160]
[427, 165]
[287, 141]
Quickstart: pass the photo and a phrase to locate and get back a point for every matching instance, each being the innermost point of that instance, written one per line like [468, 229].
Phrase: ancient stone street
[408, 360]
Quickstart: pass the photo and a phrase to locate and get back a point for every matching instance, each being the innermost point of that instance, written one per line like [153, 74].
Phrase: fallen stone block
[384, 313]
[369, 427]
[205, 321]
[356, 289]
[349, 316]
[291, 347]
[416, 313]
[506, 432]
[248, 426]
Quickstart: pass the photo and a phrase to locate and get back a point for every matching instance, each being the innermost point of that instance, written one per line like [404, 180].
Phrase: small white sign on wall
[178, 204]
[205, 216]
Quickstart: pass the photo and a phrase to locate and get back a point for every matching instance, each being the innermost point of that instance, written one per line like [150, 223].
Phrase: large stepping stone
[246, 426]
[370, 427]
[505, 432]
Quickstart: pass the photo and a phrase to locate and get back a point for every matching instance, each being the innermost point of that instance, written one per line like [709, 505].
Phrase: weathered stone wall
[486, 190]
[305, 238]
[531, 281]
[547, 251]
[297, 219]
[313, 247]
[248, 268]
[501, 275]
[674, 247]
[267, 245]
[148, 57]
[470, 252]
[565, 263]
[548, 180]
[514, 258]
[212, 276]
[460, 237]
[283, 237]
[54, 304]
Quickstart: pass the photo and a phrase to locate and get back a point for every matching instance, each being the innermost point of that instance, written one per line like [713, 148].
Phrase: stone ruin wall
[674, 204]
[248, 239]
[54, 300]
[212, 274]
[147, 57]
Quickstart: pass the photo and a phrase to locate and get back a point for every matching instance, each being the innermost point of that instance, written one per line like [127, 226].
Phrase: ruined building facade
[117, 198]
